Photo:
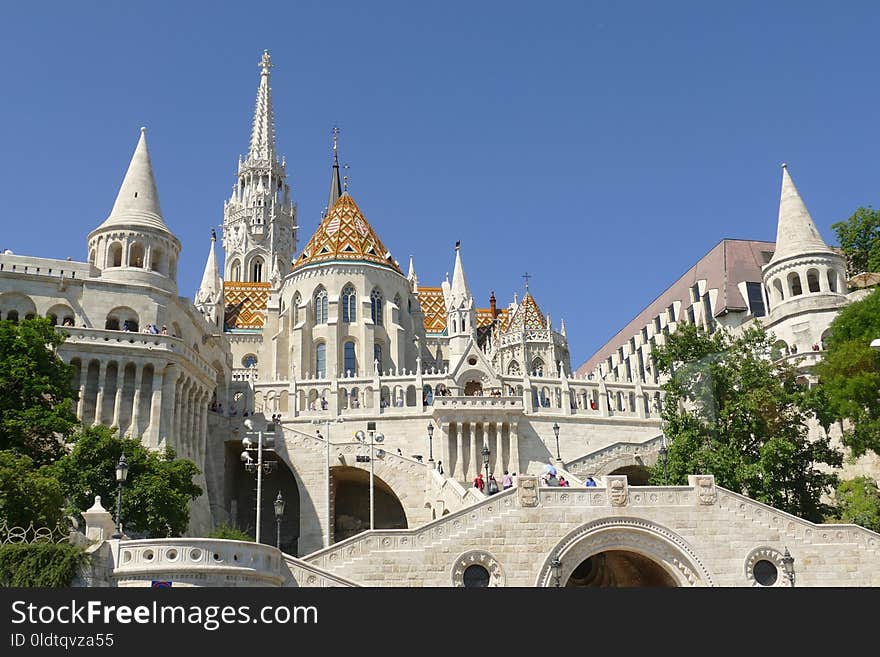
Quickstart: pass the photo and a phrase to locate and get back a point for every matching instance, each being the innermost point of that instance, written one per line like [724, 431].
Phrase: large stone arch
[643, 537]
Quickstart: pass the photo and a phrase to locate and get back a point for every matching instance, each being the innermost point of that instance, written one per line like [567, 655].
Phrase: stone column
[134, 430]
[117, 403]
[513, 436]
[99, 398]
[476, 445]
[445, 449]
[459, 452]
[177, 414]
[497, 460]
[155, 408]
[83, 378]
[203, 431]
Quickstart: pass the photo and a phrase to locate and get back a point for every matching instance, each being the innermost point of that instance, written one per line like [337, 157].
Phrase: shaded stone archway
[618, 568]
[636, 474]
[351, 503]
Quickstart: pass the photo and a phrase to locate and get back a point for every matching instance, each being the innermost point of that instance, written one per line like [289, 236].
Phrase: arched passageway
[617, 569]
[637, 475]
[351, 503]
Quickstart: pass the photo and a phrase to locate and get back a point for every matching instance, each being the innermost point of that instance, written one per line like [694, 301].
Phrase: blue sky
[603, 147]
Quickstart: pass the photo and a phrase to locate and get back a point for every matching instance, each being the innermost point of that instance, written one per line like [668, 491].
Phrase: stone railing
[306, 574]
[196, 562]
[33, 266]
[479, 403]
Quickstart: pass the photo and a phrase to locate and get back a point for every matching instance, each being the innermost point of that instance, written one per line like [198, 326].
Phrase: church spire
[335, 184]
[459, 292]
[209, 297]
[411, 276]
[138, 200]
[795, 233]
[263, 131]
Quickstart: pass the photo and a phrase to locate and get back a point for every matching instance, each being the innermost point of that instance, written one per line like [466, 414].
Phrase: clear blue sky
[601, 146]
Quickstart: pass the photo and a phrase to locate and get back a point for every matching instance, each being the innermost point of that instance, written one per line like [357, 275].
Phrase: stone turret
[461, 317]
[209, 297]
[133, 245]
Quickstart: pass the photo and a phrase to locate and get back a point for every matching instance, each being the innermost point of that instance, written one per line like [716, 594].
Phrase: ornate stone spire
[263, 132]
[335, 184]
[137, 203]
[795, 233]
[210, 292]
[459, 293]
[411, 276]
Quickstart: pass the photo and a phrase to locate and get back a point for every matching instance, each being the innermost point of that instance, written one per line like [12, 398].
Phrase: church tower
[259, 219]
[805, 279]
[461, 315]
[209, 297]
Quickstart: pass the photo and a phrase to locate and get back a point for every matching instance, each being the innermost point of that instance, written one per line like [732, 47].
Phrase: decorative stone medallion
[527, 491]
[617, 489]
[479, 558]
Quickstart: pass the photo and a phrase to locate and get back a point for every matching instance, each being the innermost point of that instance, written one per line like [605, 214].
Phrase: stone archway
[473, 389]
[351, 503]
[636, 474]
[616, 552]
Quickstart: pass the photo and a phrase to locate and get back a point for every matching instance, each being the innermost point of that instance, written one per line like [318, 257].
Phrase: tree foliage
[227, 531]
[858, 501]
[36, 398]
[156, 494]
[733, 412]
[859, 238]
[27, 494]
[30, 565]
[849, 374]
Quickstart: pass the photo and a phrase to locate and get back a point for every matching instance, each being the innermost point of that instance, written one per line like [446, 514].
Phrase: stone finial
[99, 522]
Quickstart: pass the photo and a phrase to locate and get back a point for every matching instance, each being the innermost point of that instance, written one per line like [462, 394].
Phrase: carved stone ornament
[706, 492]
[527, 491]
[617, 490]
[478, 558]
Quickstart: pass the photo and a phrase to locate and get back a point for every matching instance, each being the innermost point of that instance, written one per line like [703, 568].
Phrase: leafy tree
[41, 564]
[859, 238]
[36, 398]
[156, 494]
[858, 501]
[28, 495]
[225, 530]
[732, 411]
[849, 374]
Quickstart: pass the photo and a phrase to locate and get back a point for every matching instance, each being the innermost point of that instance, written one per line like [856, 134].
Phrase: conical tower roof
[795, 233]
[459, 292]
[211, 286]
[527, 316]
[344, 234]
[137, 203]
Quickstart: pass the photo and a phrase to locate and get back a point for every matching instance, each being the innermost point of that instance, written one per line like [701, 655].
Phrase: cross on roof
[527, 276]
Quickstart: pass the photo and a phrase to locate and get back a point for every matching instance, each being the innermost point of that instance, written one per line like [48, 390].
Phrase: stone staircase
[594, 462]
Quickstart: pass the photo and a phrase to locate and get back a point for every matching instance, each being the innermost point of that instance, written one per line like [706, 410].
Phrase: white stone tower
[259, 219]
[805, 278]
[461, 315]
[209, 297]
[134, 245]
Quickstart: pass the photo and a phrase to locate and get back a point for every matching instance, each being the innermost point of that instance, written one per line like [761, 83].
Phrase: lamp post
[279, 511]
[788, 564]
[121, 476]
[556, 565]
[374, 437]
[556, 431]
[430, 441]
[329, 486]
[259, 466]
[486, 453]
[663, 454]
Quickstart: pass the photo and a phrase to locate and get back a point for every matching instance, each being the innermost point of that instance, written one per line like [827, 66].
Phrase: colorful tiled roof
[344, 234]
[484, 317]
[527, 316]
[434, 309]
[245, 304]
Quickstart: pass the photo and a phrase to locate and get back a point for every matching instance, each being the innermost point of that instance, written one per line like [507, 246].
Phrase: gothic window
[249, 361]
[350, 359]
[376, 307]
[235, 271]
[397, 300]
[321, 360]
[513, 368]
[321, 306]
[349, 299]
[537, 367]
[92, 257]
[257, 270]
[294, 308]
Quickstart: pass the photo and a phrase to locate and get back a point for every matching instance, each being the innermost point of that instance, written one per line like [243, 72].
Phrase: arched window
[777, 287]
[320, 306]
[397, 300]
[376, 307]
[377, 354]
[114, 255]
[156, 260]
[321, 360]
[350, 359]
[794, 284]
[513, 368]
[537, 367]
[249, 361]
[257, 270]
[349, 299]
[832, 280]
[92, 257]
[294, 308]
[235, 271]
[136, 255]
[12, 316]
[813, 280]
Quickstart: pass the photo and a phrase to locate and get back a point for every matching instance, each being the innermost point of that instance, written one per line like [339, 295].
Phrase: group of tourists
[490, 487]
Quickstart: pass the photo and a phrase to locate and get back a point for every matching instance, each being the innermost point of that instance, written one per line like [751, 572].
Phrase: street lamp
[279, 511]
[259, 466]
[556, 565]
[485, 453]
[121, 476]
[374, 437]
[663, 453]
[430, 441]
[329, 485]
[788, 564]
[556, 431]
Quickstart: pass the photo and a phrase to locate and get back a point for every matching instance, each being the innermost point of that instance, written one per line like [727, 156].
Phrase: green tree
[157, 492]
[28, 495]
[849, 374]
[859, 238]
[858, 501]
[732, 411]
[225, 530]
[36, 398]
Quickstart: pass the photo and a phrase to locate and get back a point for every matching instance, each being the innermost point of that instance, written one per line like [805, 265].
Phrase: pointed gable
[527, 316]
[344, 234]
